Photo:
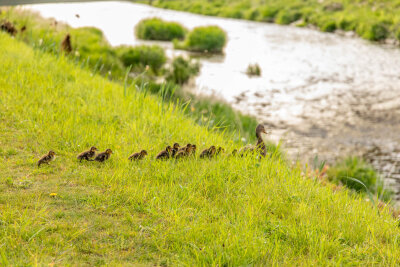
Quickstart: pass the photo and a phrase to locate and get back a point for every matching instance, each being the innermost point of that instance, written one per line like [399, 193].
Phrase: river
[320, 94]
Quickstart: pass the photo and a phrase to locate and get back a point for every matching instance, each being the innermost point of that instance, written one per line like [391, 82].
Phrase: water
[321, 94]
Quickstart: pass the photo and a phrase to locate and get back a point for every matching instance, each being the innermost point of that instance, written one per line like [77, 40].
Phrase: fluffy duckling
[234, 153]
[208, 153]
[66, 46]
[175, 149]
[87, 155]
[193, 151]
[103, 156]
[47, 158]
[259, 147]
[185, 153]
[165, 154]
[220, 150]
[8, 27]
[138, 156]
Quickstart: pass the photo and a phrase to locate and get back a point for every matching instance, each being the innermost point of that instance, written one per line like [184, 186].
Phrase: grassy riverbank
[372, 20]
[225, 211]
[91, 49]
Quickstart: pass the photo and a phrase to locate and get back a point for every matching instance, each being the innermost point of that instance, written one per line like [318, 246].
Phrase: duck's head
[93, 148]
[143, 152]
[168, 149]
[52, 153]
[220, 149]
[194, 147]
[260, 130]
[109, 151]
[234, 152]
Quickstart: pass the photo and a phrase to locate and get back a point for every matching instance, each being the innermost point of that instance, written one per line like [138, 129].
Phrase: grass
[143, 55]
[253, 70]
[357, 174]
[205, 39]
[93, 51]
[372, 20]
[225, 211]
[182, 70]
[157, 29]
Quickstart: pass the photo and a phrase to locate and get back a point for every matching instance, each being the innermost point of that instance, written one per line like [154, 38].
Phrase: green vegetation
[157, 29]
[372, 20]
[208, 39]
[253, 70]
[93, 51]
[142, 55]
[225, 211]
[356, 174]
[182, 69]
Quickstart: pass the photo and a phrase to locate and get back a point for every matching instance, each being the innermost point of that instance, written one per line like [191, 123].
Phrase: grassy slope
[224, 211]
[365, 17]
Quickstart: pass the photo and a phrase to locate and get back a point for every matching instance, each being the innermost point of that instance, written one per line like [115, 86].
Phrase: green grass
[225, 211]
[157, 29]
[182, 70]
[205, 39]
[143, 55]
[93, 51]
[372, 20]
[357, 174]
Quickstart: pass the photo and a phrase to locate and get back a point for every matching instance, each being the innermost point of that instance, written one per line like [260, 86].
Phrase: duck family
[171, 152]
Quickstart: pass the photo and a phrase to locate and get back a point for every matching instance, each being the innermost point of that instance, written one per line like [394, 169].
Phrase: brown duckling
[8, 27]
[184, 148]
[47, 158]
[66, 46]
[260, 146]
[185, 153]
[220, 150]
[87, 155]
[138, 156]
[165, 154]
[175, 149]
[234, 153]
[103, 156]
[193, 151]
[208, 153]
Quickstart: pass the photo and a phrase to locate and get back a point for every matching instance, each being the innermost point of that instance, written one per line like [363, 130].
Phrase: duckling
[138, 156]
[47, 158]
[260, 146]
[66, 44]
[208, 153]
[185, 153]
[193, 151]
[165, 154]
[175, 149]
[103, 156]
[219, 150]
[87, 155]
[184, 148]
[8, 27]
[234, 153]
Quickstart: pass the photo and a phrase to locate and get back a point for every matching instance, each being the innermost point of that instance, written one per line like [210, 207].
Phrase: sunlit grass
[225, 211]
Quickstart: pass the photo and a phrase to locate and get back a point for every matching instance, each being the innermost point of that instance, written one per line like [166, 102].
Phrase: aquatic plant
[142, 55]
[208, 39]
[253, 70]
[182, 69]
